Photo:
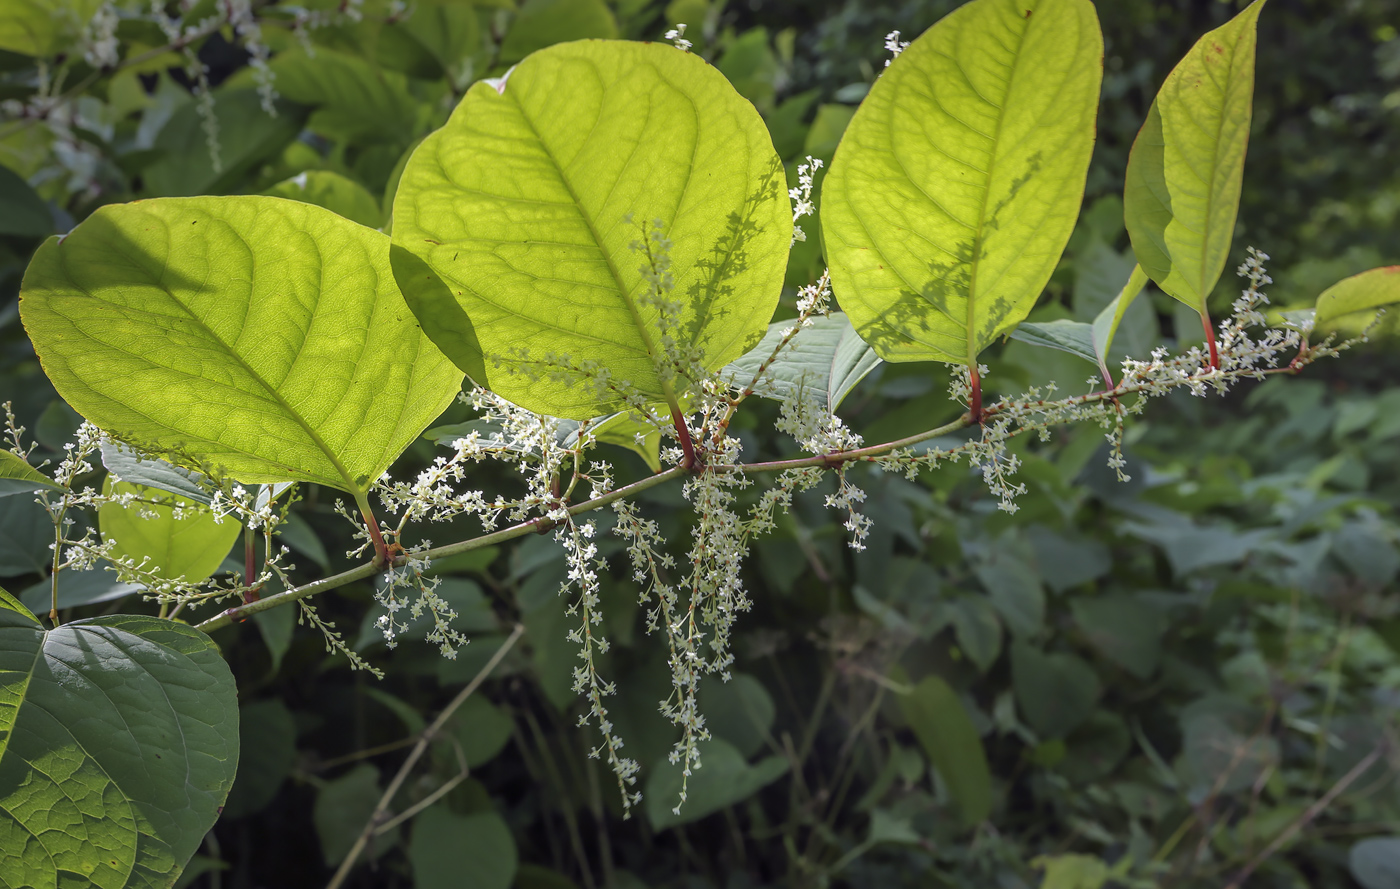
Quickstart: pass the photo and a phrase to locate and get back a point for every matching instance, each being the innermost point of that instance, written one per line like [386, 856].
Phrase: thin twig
[424, 740]
[1312, 812]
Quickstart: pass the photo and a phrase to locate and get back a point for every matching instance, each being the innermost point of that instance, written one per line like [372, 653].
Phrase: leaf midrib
[267, 387]
[622, 289]
[977, 237]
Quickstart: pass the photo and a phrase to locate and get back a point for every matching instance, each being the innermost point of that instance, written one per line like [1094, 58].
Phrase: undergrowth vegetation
[847, 445]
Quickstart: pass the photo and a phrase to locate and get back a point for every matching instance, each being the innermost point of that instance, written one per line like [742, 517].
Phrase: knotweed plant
[591, 261]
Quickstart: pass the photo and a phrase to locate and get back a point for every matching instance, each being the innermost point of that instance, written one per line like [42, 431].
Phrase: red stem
[974, 409]
[687, 446]
[381, 552]
[1210, 338]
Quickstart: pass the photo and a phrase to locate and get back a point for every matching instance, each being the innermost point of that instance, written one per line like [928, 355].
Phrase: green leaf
[1222, 750]
[118, 746]
[1375, 862]
[450, 851]
[1056, 692]
[1123, 629]
[1106, 323]
[482, 729]
[511, 231]
[18, 477]
[22, 211]
[353, 99]
[748, 62]
[1074, 337]
[543, 23]
[978, 630]
[245, 366]
[344, 197]
[187, 548]
[276, 626]
[1365, 292]
[26, 532]
[43, 27]
[1015, 590]
[958, 181]
[621, 429]
[152, 472]
[1184, 171]
[76, 589]
[343, 806]
[827, 129]
[1095, 748]
[723, 779]
[739, 711]
[248, 135]
[267, 737]
[1072, 871]
[826, 360]
[945, 730]
[438, 39]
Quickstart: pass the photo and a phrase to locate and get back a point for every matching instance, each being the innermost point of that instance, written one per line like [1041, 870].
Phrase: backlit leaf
[18, 477]
[512, 231]
[188, 548]
[333, 191]
[958, 181]
[199, 328]
[1365, 292]
[1184, 172]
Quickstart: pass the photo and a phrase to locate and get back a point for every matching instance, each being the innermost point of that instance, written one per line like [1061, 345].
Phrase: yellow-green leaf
[251, 336]
[514, 224]
[1365, 292]
[958, 181]
[188, 548]
[1184, 172]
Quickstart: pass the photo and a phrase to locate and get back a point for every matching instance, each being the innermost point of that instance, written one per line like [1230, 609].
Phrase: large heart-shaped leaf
[253, 336]
[118, 745]
[1184, 172]
[517, 222]
[958, 181]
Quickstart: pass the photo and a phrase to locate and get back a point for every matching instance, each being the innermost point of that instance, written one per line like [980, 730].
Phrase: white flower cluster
[99, 40]
[894, 46]
[677, 36]
[801, 195]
